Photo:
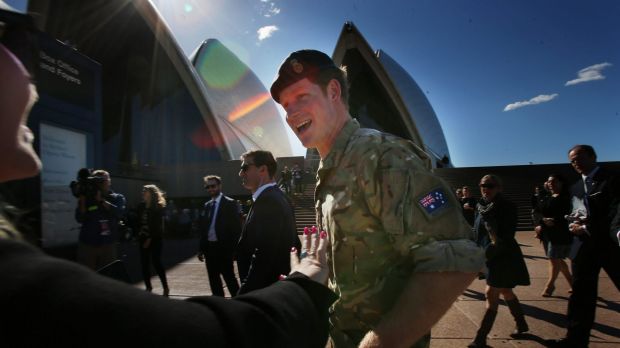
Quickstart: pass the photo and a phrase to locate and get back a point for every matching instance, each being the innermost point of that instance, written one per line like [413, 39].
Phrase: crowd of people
[390, 254]
[581, 224]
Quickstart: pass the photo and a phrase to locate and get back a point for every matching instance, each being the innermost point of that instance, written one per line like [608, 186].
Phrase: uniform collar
[335, 153]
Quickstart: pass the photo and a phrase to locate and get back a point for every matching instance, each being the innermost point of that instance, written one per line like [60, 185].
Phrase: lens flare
[218, 69]
[247, 106]
[258, 131]
[201, 138]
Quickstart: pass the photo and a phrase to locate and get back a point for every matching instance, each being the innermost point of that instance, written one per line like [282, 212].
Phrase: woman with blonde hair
[495, 225]
[151, 215]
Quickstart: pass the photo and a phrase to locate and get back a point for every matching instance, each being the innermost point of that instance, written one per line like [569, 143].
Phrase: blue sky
[473, 58]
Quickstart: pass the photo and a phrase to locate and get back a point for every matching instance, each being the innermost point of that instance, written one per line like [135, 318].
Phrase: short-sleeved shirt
[388, 217]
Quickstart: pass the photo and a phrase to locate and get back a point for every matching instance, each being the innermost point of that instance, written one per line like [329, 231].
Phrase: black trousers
[219, 261]
[152, 255]
[592, 256]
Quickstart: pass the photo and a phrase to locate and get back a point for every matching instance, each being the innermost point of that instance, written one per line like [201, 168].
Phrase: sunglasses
[18, 35]
[246, 166]
[489, 186]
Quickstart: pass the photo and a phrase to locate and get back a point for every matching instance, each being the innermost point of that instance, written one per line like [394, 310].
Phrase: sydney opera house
[117, 92]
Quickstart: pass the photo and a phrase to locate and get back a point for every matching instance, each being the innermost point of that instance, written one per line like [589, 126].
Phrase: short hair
[494, 178]
[465, 188]
[586, 148]
[101, 173]
[263, 158]
[213, 177]
[340, 75]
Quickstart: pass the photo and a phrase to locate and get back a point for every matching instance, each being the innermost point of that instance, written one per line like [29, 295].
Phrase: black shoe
[563, 343]
[475, 344]
[554, 343]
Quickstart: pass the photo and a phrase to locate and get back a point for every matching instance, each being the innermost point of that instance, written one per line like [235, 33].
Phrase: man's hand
[201, 257]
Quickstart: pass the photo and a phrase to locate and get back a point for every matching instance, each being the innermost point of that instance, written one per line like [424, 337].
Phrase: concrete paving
[545, 316]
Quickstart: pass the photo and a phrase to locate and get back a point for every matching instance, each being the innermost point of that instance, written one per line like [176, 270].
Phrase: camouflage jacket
[388, 217]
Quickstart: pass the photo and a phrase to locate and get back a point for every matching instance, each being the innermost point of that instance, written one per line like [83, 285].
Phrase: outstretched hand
[312, 261]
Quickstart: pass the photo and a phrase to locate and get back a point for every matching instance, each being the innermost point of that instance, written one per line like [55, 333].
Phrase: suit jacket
[602, 202]
[48, 301]
[227, 225]
[263, 253]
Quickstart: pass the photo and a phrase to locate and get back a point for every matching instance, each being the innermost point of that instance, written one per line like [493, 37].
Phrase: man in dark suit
[269, 231]
[220, 224]
[595, 199]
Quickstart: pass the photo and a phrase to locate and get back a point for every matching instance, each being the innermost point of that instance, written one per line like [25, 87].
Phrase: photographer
[99, 211]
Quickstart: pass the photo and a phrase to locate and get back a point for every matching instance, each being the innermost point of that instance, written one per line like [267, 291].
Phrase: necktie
[588, 184]
[588, 187]
[211, 212]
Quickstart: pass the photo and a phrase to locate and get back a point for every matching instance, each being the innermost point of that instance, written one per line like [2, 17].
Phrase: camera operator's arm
[80, 211]
[116, 204]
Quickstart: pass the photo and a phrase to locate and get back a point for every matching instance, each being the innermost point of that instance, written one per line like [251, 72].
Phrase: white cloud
[269, 9]
[591, 73]
[272, 11]
[543, 98]
[266, 32]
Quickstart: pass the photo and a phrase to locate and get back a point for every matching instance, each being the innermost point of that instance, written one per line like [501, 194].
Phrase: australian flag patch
[434, 202]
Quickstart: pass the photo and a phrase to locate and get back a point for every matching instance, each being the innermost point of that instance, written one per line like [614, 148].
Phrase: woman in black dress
[151, 214]
[553, 231]
[496, 219]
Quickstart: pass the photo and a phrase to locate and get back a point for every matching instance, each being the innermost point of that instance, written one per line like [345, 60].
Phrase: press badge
[433, 203]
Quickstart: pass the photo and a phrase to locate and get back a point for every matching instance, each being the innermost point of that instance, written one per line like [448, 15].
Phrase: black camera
[86, 184]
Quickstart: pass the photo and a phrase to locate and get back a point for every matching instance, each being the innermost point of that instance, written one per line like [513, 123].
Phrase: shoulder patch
[434, 202]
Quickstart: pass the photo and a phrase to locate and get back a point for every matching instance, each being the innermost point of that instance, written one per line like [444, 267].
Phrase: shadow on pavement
[175, 251]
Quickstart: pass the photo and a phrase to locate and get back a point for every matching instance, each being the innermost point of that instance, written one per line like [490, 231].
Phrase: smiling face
[314, 115]
[16, 97]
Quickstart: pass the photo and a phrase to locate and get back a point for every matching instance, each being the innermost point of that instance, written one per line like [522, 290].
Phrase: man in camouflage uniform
[401, 249]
